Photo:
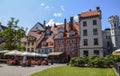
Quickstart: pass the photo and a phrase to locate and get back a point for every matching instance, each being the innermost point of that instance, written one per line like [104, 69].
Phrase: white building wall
[91, 47]
[115, 31]
[107, 39]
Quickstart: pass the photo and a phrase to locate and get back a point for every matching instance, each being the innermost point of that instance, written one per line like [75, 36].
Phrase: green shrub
[95, 61]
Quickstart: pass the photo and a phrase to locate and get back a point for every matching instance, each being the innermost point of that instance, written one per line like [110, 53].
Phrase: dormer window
[36, 27]
[50, 43]
[31, 38]
[43, 43]
[60, 30]
[48, 32]
[72, 33]
[60, 35]
[38, 31]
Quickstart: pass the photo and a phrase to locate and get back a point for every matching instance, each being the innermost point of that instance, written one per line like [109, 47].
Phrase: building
[2, 28]
[66, 40]
[34, 37]
[115, 31]
[107, 42]
[46, 46]
[91, 43]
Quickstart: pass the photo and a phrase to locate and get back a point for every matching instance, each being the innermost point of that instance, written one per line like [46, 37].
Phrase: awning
[55, 53]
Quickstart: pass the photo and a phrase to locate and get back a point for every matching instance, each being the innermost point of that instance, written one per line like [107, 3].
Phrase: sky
[29, 12]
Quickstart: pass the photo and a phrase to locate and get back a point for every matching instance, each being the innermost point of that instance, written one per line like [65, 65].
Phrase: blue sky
[29, 12]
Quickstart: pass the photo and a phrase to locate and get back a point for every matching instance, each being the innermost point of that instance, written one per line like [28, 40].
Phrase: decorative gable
[38, 26]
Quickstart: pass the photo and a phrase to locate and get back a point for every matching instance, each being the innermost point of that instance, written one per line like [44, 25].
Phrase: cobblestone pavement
[6, 70]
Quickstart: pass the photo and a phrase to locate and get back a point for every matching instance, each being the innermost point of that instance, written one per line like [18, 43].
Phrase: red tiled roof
[34, 34]
[48, 40]
[90, 13]
[75, 26]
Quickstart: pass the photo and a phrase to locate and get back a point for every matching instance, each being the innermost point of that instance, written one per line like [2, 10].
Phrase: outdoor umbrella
[35, 54]
[4, 51]
[14, 52]
[25, 54]
[116, 52]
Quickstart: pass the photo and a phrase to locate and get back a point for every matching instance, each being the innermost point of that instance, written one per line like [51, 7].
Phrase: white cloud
[76, 17]
[58, 23]
[57, 14]
[46, 6]
[52, 22]
[42, 4]
[62, 8]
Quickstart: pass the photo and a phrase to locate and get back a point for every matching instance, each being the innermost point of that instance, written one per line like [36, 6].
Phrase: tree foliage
[12, 35]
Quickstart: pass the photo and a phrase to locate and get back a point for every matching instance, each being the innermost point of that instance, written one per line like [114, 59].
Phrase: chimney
[90, 10]
[71, 23]
[97, 8]
[64, 25]
[55, 25]
[44, 23]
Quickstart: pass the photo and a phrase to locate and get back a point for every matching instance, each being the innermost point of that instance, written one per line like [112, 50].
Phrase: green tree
[12, 35]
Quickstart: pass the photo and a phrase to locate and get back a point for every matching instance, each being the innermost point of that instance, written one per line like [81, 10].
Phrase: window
[96, 52]
[107, 37]
[116, 39]
[72, 33]
[85, 53]
[114, 24]
[62, 41]
[84, 32]
[62, 49]
[108, 44]
[25, 43]
[28, 49]
[95, 41]
[36, 27]
[95, 31]
[32, 50]
[58, 42]
[94, 22]
[108, 50]
[85, 42]
[68, 41]
[42, 51]
[73, 48]
[84, 23]
[50, 50]
[32, 43]
[28, 43]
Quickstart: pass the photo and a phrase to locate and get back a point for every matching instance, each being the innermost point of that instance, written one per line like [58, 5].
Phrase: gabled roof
[3, 27]
[38, 26]
[90, 13]
[34, 34]
[47, 41]
[75, 26]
